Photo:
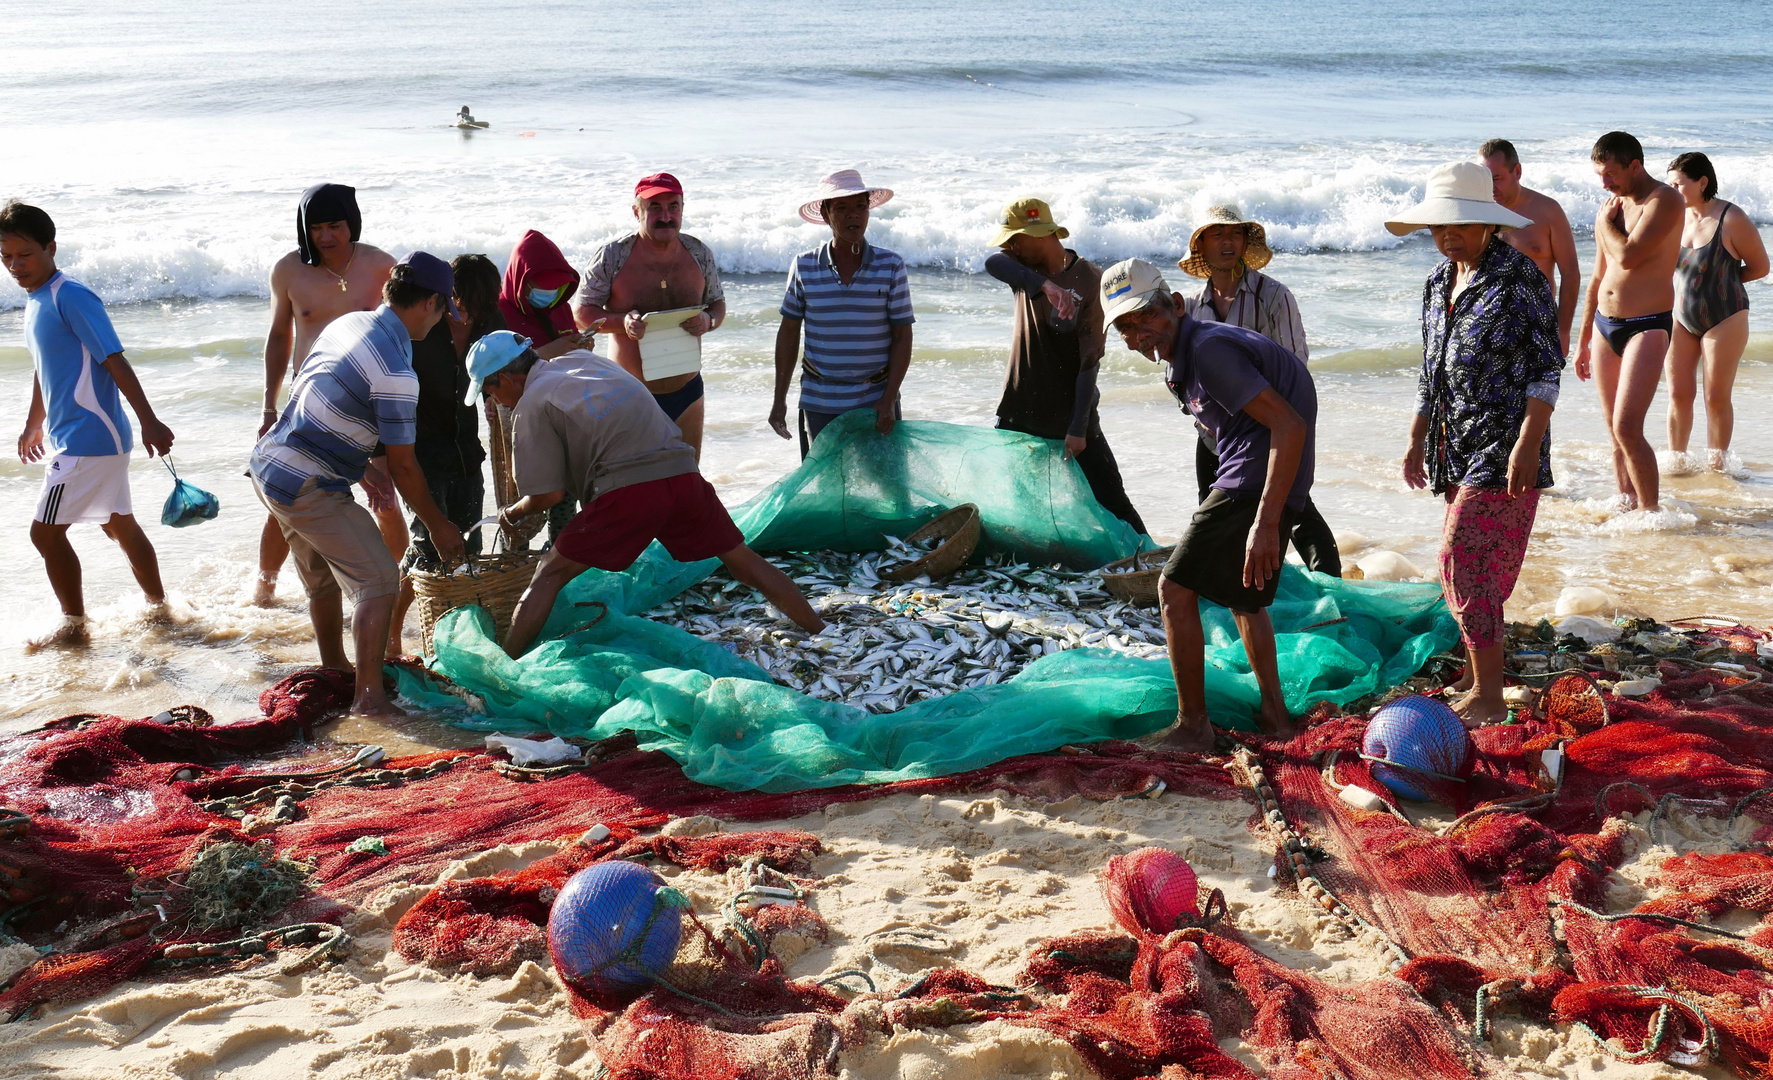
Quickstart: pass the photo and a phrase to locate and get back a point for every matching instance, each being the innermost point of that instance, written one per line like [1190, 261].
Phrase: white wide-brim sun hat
[840, 185]
[1458, 193]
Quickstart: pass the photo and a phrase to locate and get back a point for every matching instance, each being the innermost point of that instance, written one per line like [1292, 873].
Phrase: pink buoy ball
[1150, 890]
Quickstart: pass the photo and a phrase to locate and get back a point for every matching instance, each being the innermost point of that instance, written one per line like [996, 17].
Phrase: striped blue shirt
[355, 388]
[848, 327]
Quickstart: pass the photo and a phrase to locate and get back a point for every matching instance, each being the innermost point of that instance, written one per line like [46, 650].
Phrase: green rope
[1411, 768]
[715, 1005]
[1579, 909]
[1736, 812]
[1661, 805]
[849, 973]
[1659, 1026]
[1480, 1018]
[1105, 958]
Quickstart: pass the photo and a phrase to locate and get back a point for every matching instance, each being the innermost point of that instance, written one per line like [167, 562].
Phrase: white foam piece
[528, 752]
[1586, 600]
[1383, 565]
[1361, 799]
[1587, 627]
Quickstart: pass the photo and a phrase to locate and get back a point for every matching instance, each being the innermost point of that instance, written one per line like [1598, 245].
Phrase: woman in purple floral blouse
[1481, 438]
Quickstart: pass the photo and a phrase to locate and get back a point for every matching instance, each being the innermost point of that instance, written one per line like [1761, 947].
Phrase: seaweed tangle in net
[235, 884]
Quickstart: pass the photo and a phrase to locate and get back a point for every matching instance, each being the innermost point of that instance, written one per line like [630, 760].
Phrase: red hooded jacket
[537, 264]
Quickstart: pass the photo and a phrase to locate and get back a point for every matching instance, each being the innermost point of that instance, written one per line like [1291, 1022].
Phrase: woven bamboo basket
[1134, 578]
[959, 530]
[492, 581]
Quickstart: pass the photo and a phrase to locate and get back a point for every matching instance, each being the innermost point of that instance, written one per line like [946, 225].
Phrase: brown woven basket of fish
[1134, 578]
[958, 530]
[492, 581]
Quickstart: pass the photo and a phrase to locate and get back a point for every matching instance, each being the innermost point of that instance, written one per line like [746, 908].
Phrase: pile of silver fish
[889, 644]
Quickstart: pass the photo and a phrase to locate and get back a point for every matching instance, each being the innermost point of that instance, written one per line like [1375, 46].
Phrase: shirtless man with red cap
[655, 268]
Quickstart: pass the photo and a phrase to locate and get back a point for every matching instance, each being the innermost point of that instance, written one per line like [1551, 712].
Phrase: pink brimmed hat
[840, 185]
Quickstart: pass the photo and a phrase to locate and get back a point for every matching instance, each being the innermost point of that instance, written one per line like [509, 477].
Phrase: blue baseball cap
[489, 356]
[427, 271]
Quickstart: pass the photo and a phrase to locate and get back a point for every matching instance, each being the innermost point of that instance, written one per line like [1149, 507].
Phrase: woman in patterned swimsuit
[1481, 437]
[1719, 251]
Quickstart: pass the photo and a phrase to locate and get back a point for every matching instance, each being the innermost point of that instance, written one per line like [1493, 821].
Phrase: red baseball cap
[657, 184]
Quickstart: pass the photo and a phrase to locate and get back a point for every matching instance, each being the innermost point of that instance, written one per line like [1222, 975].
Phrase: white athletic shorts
[77, 489]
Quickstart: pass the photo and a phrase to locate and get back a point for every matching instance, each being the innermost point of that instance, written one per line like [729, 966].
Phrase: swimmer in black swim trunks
[1630, 308]
[655, 268]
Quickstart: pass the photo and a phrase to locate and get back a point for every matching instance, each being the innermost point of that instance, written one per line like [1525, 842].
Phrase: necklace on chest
[344, 286]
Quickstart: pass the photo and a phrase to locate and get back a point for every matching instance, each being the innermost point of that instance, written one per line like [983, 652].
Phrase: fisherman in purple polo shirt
[1258, 403]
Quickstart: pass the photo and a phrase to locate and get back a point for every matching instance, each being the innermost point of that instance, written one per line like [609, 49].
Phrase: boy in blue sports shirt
[76, 419]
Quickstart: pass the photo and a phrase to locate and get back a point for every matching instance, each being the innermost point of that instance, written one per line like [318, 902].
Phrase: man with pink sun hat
[854, 300]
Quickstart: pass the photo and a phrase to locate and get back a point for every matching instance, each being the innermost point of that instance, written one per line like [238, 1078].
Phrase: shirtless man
[328, 274]
[1548, 241]
[657, 268]
[1630, 307]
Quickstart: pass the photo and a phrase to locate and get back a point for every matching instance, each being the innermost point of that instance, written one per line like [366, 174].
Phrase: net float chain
[1300, 855]
[285, 796]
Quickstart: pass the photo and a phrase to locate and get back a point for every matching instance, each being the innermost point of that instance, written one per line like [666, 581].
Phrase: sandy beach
[993, 875]
[171, 148]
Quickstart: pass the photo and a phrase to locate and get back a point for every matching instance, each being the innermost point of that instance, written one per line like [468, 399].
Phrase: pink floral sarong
[1483, 544]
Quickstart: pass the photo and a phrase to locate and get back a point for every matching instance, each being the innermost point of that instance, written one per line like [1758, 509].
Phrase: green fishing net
[598, 669]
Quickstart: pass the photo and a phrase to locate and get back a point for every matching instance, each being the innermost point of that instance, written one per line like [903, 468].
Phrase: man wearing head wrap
[329, 273]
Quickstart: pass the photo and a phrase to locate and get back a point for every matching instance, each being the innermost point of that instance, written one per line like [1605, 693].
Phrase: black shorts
[1209, 559]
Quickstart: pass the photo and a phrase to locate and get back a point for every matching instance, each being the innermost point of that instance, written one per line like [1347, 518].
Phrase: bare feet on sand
[69, 633]
[1475, 711]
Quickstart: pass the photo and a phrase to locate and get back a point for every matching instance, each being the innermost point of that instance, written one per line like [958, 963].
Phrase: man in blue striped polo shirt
[855, 302]
[356, 389]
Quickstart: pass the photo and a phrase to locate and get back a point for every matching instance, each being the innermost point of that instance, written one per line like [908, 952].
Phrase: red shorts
[681, 512]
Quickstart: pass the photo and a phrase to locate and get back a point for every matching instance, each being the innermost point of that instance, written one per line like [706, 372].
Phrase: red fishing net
[1506, 905]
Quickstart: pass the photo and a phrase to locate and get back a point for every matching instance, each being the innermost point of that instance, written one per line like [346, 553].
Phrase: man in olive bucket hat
[1056, 347]
[1230, 251]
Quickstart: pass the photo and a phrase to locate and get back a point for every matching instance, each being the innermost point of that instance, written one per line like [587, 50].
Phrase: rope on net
[333, 943]
[1299, 855]
[1660, 1026]
[755, 875]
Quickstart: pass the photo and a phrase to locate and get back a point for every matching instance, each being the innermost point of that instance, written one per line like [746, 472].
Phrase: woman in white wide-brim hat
[854, 301]
[1481, 438]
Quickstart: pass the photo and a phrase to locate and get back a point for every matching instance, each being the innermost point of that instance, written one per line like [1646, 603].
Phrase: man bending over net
[583, 426]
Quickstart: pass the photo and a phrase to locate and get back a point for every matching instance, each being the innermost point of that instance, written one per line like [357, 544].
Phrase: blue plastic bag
[188, 504]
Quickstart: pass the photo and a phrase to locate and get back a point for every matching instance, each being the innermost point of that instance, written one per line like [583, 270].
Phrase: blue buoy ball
[613, 928]
[1420, 733]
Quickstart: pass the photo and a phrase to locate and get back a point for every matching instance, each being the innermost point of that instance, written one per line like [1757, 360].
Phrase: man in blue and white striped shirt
[855, 302]
[356, 389]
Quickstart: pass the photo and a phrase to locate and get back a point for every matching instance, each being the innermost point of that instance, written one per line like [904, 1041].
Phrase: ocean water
[171, 145]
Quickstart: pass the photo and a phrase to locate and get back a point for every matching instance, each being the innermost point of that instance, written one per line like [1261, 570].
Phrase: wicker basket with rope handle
[1134, 578]
[493, 581]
